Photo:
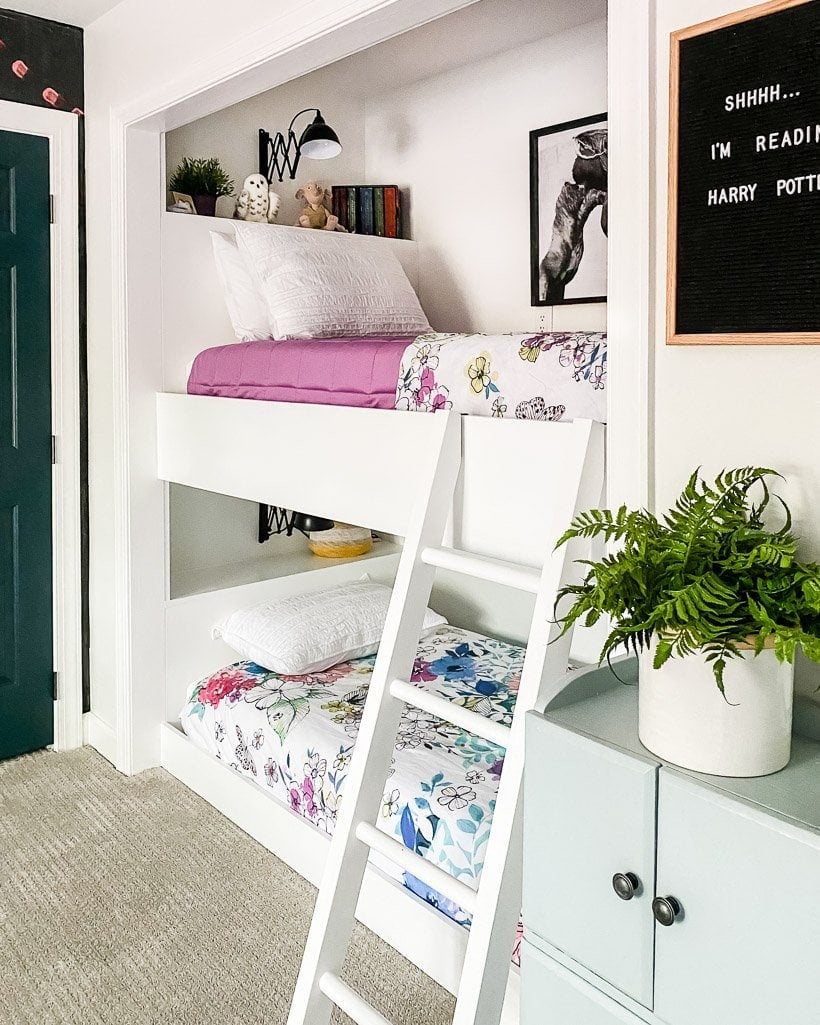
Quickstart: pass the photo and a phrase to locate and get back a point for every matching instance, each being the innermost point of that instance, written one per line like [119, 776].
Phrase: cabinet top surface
[596, 705]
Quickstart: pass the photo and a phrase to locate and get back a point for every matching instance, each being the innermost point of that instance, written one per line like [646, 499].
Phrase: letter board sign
[744, 178]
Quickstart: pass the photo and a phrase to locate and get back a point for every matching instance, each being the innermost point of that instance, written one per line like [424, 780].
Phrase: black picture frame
[577, 190]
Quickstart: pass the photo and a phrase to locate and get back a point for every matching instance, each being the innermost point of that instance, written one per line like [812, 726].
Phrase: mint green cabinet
[739, 861]
[550, 995]
[578, 793]
[745, 948]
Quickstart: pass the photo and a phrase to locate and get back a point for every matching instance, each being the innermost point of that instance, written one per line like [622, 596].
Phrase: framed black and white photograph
[568, 212]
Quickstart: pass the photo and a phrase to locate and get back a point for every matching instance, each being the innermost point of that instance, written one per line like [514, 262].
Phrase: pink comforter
[328, 371]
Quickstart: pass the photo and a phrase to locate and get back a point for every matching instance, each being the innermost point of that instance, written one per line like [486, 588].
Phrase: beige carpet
[130, 901]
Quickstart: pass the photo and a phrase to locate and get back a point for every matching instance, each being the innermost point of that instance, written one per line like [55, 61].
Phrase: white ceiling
[482, 30]
[485, 28]
[71, 12]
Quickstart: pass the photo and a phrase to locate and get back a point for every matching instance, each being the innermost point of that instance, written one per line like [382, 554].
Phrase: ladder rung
[459, 716]
[413, 863]
[510, 574]
[350, 1002]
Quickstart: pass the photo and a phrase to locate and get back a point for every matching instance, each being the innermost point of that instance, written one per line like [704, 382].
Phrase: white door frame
[61, 130]
[630, 297]
[269, 55]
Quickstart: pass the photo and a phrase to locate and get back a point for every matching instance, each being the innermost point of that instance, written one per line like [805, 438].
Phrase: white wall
[464, 131]
[729, 405]
[232, 135]
[459, 143]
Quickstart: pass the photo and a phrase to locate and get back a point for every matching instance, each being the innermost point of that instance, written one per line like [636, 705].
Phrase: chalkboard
[744, 195]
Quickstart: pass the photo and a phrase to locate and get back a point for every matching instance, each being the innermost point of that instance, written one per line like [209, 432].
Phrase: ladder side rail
[334, 914]
[498, 905]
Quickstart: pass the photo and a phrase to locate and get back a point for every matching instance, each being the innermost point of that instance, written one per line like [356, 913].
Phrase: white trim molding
[100, 736]
[630, 295]
[61, 130]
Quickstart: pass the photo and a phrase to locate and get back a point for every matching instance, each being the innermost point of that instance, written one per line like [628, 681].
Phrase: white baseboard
[100, 736]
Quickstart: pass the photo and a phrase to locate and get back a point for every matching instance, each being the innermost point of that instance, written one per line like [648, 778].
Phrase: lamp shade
[307, 522]
[318, 141]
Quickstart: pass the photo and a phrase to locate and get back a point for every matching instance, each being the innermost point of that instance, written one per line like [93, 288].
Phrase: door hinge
[51, 208]
[54, 689]
[53, 449]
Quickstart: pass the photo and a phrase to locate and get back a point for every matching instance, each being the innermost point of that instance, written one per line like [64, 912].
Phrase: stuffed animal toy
[315, 213]
[257, 201]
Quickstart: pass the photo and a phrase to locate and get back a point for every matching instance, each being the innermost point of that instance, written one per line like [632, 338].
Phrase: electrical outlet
[544, 322]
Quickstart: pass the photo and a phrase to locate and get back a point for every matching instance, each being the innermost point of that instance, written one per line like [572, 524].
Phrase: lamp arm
[305, 111]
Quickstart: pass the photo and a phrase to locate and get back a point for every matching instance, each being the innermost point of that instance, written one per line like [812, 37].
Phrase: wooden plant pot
[684, 719]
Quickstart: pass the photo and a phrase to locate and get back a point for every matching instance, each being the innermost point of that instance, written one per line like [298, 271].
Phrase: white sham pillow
[246, 307]
[305, 633]
[323, 284]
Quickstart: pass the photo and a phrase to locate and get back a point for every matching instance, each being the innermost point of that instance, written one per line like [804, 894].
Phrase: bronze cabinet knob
[665, 910]
[626, 884]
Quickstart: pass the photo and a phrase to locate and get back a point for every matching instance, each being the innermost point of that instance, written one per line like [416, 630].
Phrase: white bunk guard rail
[571, 454]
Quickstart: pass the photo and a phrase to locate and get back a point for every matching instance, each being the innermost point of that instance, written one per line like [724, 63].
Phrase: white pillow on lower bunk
[246, 307]
[305, 633]
[323, 284]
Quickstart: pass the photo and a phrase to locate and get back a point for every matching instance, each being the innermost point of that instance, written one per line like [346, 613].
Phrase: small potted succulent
[714, 602]
[204, 180]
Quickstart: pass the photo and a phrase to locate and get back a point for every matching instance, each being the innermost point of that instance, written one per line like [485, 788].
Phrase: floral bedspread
[295, 735]
[554, 376]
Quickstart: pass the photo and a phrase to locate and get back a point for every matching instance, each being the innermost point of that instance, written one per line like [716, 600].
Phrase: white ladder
[496, 905]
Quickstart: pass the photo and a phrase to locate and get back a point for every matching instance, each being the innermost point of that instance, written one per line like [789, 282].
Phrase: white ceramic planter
[684, 719]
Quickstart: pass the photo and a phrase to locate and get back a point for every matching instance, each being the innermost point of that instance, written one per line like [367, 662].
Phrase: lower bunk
[271, 752]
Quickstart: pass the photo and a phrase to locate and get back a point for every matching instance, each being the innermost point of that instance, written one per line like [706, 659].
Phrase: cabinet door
[744, 949]
[589, 813]
[550, 995]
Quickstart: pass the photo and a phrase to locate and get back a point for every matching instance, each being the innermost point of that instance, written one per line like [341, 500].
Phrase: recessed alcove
[444, 112]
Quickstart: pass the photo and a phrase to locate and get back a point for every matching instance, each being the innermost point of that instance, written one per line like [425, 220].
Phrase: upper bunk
[373, 347]
[534, 398]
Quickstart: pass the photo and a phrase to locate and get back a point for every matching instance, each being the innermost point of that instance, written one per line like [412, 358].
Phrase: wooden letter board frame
[724, 338]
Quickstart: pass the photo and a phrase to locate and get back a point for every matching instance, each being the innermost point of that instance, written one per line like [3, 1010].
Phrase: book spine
[378, 209]
[367, 210]
[390, 223]
[343, 212]
[351, 208]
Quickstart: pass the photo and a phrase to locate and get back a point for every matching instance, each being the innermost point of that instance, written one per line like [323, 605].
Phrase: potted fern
[204, 180]
[714, 603]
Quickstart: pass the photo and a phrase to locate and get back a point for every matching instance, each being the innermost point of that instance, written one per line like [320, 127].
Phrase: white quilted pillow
[320, 284]
[304, 633]
[246, 307]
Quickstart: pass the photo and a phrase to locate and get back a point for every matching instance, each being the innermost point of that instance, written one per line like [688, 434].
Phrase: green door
[26, 700]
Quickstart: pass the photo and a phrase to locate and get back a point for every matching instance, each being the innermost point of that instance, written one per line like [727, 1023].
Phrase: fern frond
[702, 578]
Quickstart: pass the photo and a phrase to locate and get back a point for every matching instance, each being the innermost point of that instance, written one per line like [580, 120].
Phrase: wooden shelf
[284, 557]
[211, 222]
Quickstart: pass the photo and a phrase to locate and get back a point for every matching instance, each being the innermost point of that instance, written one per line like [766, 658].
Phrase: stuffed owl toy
[257, 201]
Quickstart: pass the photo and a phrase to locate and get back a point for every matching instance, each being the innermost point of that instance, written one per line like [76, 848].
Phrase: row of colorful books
[369, 209]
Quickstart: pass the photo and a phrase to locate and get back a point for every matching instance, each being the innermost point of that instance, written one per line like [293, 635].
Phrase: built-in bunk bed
[274, 420]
